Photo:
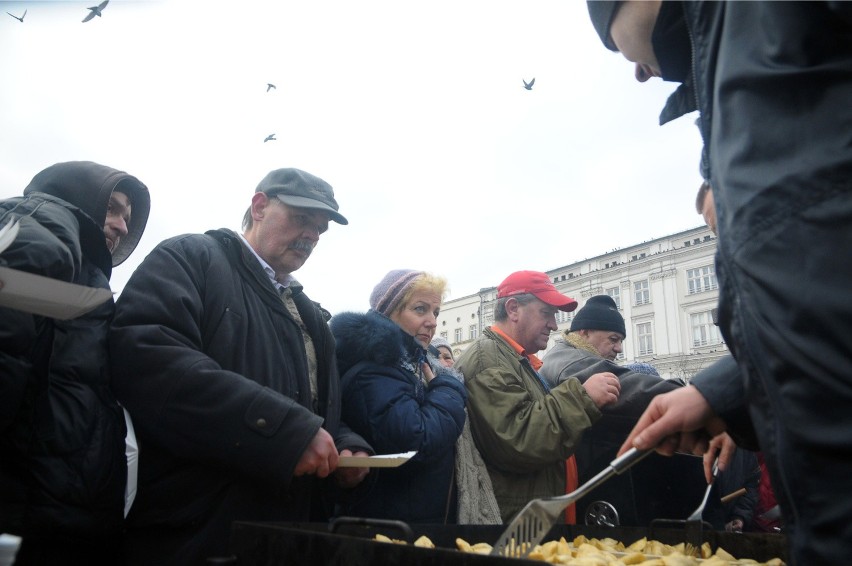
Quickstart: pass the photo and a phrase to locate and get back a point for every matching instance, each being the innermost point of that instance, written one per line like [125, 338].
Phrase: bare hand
[735, 526]
[675, 421]
[427, 372]
[724, 446]
[350, 477]
[603, 388]
[319, 458]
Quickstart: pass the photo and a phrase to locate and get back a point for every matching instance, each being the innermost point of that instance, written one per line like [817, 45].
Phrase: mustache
[302, 246]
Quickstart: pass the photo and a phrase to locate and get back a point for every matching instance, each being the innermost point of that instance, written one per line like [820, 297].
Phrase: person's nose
[643, 72]
[618, 347]
[431, 321]
[120, 226]
[312, 233]
[551, 323]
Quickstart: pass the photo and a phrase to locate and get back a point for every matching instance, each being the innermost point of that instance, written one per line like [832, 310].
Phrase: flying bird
[21, 19]
[95, 11]
[270, 86]
[529, 85]
[270, 137]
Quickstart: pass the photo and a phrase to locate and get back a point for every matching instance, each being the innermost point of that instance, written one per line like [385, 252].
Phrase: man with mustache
[63, 463]
[228, 369]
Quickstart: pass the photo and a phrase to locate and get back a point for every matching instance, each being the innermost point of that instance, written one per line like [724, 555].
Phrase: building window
[615, 293]
[444, 335]
[458, 335]
[704, 332]
[641, 293]
[644, 338]
[562, 317]
[472, 332]
[701, 279]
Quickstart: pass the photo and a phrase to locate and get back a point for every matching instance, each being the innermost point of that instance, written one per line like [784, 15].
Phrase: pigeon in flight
[95, 11]
[529, 85]
[270, 137]
[21, 19]
[270, 86]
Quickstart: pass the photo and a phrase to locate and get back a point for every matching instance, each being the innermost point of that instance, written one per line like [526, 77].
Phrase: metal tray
[267, 544]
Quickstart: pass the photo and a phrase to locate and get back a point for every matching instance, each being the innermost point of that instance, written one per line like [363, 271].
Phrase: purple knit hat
[387, 295]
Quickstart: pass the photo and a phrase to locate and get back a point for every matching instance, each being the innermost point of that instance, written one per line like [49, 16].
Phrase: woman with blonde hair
[399, 399]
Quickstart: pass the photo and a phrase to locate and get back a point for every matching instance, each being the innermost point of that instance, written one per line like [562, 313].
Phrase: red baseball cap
[538, 284]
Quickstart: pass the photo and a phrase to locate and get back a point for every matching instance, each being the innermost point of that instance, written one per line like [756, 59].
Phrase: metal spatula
[539, 515]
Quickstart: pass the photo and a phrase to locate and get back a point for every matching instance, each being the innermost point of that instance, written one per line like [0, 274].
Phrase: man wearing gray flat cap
[228, 369]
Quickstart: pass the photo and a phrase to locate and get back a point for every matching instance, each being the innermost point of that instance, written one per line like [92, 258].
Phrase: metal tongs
[538, 516]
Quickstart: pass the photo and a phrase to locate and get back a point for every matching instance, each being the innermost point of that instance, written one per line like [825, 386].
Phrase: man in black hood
[63, 467]
[772, 82]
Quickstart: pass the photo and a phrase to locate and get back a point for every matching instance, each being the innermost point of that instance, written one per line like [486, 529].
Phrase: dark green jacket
[524, 432]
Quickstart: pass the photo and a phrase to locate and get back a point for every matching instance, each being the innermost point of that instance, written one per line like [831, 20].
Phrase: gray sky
[415, 112]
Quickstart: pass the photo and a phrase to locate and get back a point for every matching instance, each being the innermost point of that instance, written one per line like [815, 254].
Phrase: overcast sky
[414, 112]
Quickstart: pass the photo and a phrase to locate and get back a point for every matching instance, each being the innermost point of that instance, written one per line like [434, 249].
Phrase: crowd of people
[244, 393]
[215, 390]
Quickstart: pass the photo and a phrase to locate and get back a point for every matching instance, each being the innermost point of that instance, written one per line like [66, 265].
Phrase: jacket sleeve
[517, 426]
[180, 398]
[382, 403]
[47, 244]
[722, 386]
[637, 389]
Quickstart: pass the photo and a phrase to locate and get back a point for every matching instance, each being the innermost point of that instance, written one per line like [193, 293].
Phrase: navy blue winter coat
[384, 401]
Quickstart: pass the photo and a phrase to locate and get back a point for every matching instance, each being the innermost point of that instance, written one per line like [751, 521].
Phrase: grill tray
[268, 544]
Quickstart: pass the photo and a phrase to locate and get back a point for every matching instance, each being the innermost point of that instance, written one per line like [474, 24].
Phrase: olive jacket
[523, 429]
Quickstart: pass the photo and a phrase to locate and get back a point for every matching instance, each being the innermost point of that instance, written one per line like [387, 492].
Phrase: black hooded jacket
[62, 452]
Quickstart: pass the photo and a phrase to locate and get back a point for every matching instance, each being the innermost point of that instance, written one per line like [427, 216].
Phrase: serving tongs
[538, 516]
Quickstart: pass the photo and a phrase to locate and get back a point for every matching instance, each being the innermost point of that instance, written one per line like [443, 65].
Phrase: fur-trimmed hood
[574, 339]
[374, 337]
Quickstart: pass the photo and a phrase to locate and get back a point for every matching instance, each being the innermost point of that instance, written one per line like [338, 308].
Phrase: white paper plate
[380, 461]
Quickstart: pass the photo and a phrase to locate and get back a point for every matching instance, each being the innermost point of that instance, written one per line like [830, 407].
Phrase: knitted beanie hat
[388, 294]
[441, 342]
[599, 313]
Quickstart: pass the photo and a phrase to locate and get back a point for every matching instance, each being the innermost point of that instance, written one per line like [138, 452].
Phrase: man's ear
[259, 202]
[512, 307]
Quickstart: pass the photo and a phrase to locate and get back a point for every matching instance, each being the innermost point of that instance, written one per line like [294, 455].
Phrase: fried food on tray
[583, 551]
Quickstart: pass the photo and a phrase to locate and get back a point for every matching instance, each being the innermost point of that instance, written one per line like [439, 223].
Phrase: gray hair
[500, 313]
[248, 221]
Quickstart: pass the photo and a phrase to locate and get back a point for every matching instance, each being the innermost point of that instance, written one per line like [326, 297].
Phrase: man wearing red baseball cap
[524, 428]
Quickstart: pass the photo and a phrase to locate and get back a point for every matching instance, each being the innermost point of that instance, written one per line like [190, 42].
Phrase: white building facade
[666, 290]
